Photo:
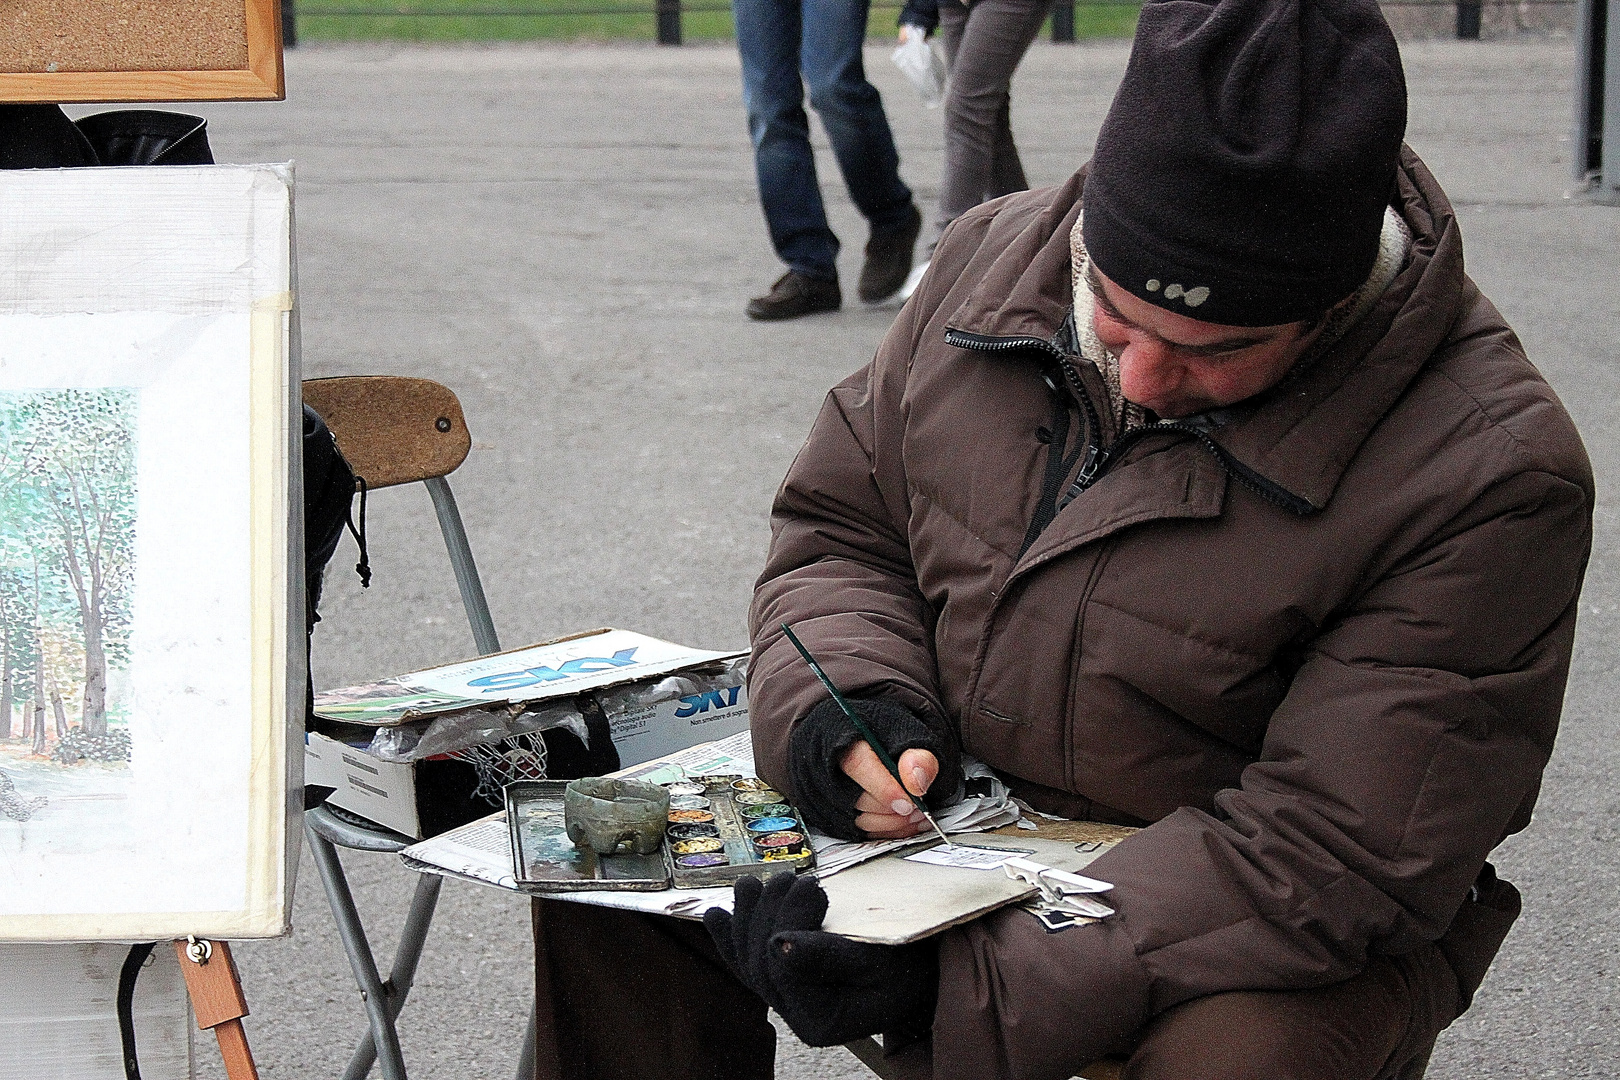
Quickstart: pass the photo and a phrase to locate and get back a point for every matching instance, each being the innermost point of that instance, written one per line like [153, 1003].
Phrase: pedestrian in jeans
[984, 42]
[786, 44]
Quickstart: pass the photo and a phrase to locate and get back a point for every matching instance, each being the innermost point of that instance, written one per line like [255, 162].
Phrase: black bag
[329, 486]
[43, 137]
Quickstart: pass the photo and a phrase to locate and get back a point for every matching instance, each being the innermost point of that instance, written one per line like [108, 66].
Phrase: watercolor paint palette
[725, 826]
[721, 828]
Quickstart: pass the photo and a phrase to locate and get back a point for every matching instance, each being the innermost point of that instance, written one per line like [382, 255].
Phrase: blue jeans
[821, 39]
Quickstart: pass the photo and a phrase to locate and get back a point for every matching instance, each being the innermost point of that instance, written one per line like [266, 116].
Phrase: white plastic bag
[922, 65]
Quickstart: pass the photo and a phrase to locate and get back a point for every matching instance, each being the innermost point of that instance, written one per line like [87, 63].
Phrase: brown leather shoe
[888, 258]
[793, 295]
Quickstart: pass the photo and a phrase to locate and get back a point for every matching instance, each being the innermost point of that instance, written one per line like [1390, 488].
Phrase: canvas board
[149, 693]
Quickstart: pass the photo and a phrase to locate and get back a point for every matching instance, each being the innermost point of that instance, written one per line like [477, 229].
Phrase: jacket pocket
[1001, 717]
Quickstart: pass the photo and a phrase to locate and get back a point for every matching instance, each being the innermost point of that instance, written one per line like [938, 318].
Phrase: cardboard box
[417, 798]
[628, 685]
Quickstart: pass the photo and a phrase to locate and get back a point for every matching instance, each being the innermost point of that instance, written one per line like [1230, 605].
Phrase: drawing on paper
[67, 540]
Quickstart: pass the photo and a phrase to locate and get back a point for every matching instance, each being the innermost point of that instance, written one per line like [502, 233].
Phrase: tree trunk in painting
[94, 719]
[6, 703]
[39, 701]
[87, 588]
[61, 713]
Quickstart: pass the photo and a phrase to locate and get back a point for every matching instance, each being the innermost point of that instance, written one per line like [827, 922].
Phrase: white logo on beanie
[1191, 297]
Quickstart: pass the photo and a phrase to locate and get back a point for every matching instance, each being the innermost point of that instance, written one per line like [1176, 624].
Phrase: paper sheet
[968, 857]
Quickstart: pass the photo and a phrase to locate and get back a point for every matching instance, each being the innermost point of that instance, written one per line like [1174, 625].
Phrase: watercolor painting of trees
[68, 504]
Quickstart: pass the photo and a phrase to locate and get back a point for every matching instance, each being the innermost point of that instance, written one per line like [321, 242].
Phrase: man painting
[1203, 493]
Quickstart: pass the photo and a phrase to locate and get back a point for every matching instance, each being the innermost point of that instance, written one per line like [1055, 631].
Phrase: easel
[210, 65]
[217, 1001]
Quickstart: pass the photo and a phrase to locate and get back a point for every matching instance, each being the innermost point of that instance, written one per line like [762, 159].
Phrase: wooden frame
[261, 79]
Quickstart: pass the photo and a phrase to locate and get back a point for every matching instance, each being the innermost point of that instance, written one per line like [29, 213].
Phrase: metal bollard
[289, 25]
[669, 22]
[1597, 101]
[1468, 13]
[1063, 21]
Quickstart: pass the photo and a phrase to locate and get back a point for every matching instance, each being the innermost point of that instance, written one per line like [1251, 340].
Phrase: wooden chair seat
[392, 429]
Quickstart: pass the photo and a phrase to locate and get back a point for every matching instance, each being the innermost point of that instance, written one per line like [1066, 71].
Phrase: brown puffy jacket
[1321, 648]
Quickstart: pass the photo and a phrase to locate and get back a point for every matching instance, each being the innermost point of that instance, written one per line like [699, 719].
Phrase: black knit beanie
[1242, 172]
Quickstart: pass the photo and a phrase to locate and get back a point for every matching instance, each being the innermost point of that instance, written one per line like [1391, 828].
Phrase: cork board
[140, 50]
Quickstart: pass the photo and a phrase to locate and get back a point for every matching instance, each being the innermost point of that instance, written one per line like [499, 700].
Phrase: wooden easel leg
[216, 998]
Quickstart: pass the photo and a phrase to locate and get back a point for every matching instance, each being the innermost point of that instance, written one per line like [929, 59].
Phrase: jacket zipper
[1099, 457]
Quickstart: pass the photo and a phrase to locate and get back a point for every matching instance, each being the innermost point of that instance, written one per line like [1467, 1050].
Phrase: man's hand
[828, 988]
[841, 787]
[883, 810]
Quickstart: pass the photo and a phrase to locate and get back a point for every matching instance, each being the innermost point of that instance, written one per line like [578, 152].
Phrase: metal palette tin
[750, 783]
[716, 781]
[684, 787]
[696, 846]
[692, 831]
[775, 809]
[770, 824]
[759, 798]
[688, 802]
[702, 860]
[786, 840]
[683, 817]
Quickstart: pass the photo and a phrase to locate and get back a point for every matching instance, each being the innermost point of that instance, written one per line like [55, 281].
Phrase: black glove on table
[826, 794]
[828, 988]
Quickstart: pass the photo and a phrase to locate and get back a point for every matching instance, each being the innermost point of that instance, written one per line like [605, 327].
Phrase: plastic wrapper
[720, 675]
[923, 66]
[457, 731]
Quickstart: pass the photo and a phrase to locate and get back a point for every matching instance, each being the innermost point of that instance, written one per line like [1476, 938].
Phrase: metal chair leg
[461, 560]
[406, 956]
[358, 949]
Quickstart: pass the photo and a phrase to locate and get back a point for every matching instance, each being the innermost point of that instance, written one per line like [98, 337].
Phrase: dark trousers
[621, 995]
[785, 46]
[984, 44]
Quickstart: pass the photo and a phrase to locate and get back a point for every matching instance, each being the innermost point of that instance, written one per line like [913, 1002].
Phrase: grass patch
[582, 20]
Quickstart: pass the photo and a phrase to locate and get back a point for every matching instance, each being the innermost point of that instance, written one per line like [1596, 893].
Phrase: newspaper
[555, 669]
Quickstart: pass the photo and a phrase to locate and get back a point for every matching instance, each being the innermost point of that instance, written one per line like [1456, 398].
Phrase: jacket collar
[1301, 434]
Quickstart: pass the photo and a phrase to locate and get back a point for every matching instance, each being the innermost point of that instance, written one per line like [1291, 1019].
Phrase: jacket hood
[1301, 434]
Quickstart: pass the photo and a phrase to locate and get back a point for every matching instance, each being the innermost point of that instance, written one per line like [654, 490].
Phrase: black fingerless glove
[828, 988]
[825, 793]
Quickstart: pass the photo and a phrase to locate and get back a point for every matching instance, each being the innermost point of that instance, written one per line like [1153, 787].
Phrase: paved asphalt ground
[566, 236]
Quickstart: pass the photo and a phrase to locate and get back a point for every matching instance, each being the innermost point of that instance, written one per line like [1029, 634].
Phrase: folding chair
[392, 431]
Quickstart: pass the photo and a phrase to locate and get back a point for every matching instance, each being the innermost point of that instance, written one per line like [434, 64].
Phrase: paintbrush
[866, 732]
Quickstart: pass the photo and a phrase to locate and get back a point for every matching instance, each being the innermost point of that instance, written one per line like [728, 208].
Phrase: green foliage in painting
[67, 545]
